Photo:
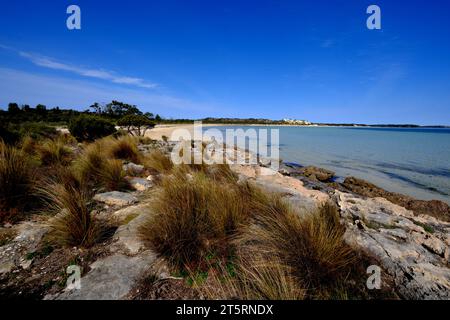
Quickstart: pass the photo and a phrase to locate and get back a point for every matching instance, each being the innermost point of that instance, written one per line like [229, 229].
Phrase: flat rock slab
[110, 278]
[127, 235]
[13, 254]
[116, 198]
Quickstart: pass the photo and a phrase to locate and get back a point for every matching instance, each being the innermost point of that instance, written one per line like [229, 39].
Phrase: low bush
[90, 128]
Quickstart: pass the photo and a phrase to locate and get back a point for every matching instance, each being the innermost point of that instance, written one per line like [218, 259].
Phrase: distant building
[297, 122]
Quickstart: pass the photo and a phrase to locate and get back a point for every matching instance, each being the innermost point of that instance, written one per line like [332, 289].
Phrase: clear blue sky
[312, 60]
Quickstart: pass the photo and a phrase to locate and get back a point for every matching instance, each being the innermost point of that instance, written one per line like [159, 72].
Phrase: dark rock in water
[318, 174]
[435, 208]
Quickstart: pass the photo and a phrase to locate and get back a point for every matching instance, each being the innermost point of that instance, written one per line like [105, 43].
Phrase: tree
[120, 109]
[158, 118]
[13, 108]
[136, 124]
[26, 108]
[40, 108]
[89, 128]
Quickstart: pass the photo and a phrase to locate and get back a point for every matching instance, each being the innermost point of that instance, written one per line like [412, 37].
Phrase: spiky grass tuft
[16, 178]
[70, 202]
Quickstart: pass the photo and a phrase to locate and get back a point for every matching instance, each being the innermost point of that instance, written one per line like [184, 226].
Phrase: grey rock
[140, 184]
[416, 259]
[133, 169]
[116, 198]
[110, 278]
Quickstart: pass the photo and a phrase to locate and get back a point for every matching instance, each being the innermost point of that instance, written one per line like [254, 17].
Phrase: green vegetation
[135, 124]
[90, 128]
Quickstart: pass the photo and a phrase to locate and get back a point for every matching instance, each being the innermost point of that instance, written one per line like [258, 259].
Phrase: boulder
[315, 173]
[413, 252]
[110, 278]
[116, 198]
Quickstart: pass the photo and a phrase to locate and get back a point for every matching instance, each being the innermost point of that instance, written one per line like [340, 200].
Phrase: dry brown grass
[69, 200]
[158, 161]
[96, 170]
[310, 243]
[17, 179]
[193, 216]
[124, 148]
[54, 152]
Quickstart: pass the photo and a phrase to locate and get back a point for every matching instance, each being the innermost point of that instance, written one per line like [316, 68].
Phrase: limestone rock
[13, 254]
[110, 278]
[412, 252]
[140, 184]
[115, 198]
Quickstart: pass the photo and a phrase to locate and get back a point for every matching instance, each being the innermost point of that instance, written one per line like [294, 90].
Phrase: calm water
[409, 161]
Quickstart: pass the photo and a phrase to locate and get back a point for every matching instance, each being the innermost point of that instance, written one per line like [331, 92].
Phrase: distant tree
[136, 124]
[26, 108]
[40, 108]
[97, 108]
[89, 128]
[120, 109]
[149, 115]
[158, 118]
[13, 108]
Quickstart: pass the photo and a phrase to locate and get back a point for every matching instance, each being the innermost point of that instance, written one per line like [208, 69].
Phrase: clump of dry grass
[310, 243]
[54, 152]
[70, 202]
[124, 148]
[95, 169]
[158, 161]
[16, 178]
[194, 215]
[253, 278]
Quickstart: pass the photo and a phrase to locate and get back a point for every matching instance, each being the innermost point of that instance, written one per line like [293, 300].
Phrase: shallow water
[412, 161]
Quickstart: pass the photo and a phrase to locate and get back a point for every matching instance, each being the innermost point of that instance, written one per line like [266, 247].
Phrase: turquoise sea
[413, 161]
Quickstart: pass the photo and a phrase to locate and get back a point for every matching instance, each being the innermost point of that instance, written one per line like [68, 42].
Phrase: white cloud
[28, 88]
[111, 76]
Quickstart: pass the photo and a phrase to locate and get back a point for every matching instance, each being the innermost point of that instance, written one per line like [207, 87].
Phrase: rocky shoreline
[408, 239]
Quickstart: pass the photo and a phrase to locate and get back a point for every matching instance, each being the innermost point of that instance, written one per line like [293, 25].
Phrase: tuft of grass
[193, 216]
[425, 226]
[16, 178]
[54, 152]
[158, 161]
[95, 169]
[70, 202]
[112, 175]
[255, 278]
[124, 148]
[310, 243]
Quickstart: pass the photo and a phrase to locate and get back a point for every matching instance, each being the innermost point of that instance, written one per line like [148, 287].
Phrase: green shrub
[89, 128]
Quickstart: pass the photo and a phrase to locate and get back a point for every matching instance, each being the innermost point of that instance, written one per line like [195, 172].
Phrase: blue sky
[312, 60]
